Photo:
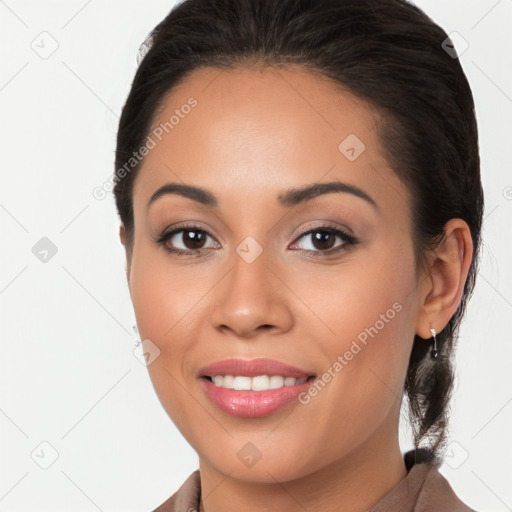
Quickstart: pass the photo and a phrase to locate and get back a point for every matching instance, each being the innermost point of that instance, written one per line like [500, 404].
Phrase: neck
[354, 483]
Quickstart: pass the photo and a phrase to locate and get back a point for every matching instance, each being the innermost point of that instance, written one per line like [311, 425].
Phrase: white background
[68, 376]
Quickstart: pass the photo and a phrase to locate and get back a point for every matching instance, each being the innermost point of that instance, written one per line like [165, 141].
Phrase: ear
[442, 289]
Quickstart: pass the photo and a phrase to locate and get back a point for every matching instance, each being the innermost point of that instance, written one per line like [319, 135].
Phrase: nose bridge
[251, 276]
[251, 297]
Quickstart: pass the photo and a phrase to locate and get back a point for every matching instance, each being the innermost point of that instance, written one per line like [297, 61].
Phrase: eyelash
[349, 241]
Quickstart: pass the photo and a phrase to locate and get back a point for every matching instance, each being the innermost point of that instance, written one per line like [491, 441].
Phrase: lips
[249, 403]
[253, 368]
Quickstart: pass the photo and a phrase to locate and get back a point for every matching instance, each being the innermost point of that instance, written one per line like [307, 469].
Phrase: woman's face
[264, 279]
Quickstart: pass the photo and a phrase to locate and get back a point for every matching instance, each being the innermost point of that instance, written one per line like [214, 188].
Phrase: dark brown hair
[388, 53]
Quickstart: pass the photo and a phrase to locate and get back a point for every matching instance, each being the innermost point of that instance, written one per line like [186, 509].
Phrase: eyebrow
[288, 198]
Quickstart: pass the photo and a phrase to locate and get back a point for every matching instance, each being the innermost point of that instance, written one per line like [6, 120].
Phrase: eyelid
[185, 225]
[338, 230]
[166, 234]
[349, 241]
[325, 225]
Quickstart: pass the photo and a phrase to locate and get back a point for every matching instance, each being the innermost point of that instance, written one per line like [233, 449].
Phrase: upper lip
[252, 368]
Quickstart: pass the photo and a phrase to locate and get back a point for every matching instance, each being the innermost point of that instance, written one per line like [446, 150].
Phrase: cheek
[165, 296]
[166, 302]
[379, 317]
[367, 295]
[169, 301]
[365, 329]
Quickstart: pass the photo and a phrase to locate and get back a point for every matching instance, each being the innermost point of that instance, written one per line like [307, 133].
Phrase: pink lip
[249, 403]
[252, 368]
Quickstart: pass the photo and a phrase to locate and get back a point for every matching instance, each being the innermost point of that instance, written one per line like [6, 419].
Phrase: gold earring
[434, 353]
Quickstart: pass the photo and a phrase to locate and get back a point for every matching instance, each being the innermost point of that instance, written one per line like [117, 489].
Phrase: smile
[258, 383]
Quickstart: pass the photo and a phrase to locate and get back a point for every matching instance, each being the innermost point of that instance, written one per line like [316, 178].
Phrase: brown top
[424, 489]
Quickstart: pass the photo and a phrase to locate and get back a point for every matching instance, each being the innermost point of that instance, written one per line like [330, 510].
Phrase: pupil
[194, 239]
[320, 238]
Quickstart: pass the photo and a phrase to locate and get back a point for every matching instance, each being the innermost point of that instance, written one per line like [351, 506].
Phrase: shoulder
[424, 489]
[436, 494]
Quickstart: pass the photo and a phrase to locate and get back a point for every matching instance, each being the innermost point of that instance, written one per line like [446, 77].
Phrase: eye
[186, 240]
[322, 240]
[191, 240]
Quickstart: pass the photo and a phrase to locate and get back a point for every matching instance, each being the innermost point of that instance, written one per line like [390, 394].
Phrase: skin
[254, 133]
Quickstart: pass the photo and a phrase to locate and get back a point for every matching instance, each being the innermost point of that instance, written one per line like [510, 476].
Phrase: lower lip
[252, 404]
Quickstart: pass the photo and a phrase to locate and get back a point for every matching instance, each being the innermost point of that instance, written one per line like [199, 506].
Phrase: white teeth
[290, 381]
[276, 381]
[258, 383]
[242, 383]
[228, 381]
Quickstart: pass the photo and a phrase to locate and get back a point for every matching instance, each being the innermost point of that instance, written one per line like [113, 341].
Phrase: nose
[252, 300]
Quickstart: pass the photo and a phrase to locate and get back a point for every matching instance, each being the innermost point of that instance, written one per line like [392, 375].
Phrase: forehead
[251, 130]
